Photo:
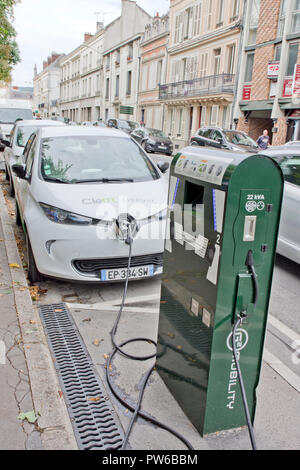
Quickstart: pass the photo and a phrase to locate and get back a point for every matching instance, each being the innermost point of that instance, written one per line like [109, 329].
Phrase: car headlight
[61, 216]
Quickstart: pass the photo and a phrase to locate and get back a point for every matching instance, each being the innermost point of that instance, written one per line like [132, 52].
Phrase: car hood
[245, 148]
[106, 201]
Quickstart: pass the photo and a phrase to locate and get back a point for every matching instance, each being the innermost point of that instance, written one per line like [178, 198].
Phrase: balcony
[210, 85]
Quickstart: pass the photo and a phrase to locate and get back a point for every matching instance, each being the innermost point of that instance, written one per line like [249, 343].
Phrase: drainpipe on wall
[238, 67]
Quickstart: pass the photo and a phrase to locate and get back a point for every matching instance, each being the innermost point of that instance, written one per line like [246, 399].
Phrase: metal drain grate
[91, 413]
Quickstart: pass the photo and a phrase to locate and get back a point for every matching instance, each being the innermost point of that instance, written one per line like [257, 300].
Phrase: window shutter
[203, 116]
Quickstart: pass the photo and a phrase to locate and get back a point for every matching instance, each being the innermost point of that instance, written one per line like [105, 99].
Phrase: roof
[81, 131]
[39, 122]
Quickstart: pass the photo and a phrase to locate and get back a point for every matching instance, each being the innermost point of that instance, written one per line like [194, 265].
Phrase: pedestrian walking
[264, 140]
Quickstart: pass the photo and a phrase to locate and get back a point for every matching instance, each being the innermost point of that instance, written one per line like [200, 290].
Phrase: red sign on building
[296, 81]
[247, 92]
[287, 88]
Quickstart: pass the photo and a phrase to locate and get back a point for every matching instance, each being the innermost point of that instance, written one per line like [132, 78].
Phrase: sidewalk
[28, 381]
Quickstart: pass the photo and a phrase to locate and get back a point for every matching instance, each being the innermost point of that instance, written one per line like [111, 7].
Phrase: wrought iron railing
[212, 84]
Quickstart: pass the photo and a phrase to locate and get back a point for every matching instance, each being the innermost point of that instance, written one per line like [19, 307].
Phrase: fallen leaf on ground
[32, 322]
[96, 342]
[94, 399]
[14, 265]
[30, 416]
[106, 356]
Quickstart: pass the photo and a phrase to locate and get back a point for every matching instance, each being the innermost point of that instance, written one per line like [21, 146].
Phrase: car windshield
[9, 115]
[23, 134]
[92, 158]
[291, 170]
[156, 133]
[239, 138]
[132, 125]
[124, 125]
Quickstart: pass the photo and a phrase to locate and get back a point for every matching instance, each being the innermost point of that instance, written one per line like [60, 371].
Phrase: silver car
[289, 231]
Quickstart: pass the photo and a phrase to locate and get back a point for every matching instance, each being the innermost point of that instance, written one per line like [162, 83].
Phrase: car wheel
[6, 174]
[33, 273]
[18, 217]
[11, 187]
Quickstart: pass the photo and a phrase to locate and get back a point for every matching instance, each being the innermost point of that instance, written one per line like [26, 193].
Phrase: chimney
[87, 36]
[54, 56]
[49, 60]
[157, 15]
[45, 63]
[35, 70]
[99, 26]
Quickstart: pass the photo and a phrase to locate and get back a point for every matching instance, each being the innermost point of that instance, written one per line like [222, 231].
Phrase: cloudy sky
[44, 26]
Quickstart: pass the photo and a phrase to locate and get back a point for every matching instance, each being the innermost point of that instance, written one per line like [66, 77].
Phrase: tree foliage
[9, 51]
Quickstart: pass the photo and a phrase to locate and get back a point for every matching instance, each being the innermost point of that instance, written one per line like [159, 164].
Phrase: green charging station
[221, 205]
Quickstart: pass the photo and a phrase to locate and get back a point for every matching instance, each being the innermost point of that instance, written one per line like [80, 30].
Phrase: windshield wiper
[105, 180]
[56, 180]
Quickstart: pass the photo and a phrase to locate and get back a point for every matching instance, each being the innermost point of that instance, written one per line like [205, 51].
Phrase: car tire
[33, 273]
[6, 174]
[18, 216]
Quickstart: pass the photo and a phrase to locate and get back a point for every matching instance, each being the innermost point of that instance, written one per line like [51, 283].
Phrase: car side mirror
[6, 142]
[20, 171]
[163, 166]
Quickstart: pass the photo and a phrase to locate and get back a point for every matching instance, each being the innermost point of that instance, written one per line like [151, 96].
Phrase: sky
[44, 26]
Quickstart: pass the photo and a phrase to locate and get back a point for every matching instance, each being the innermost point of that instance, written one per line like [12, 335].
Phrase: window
[158, 73]
[254, 19]
[231, 59]
[208, 21]
[107, 62]
[216, 135]
[107, 89]
[117, 86]
[296, 17]
[235, 9]
[203, 116]
[277, 54]
[214, 115]
[203, 64]
[217, 61]
[291, 170]
[292, 60]
[118, 57]
[220, 13]
[130, 51]
[249, 67]
[128, 88]
[281, 22]
[197, 19]
[30, 156]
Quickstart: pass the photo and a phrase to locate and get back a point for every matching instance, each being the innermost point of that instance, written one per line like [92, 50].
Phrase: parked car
[224, 139]
[86, 123]
[153, 140]
[289, 230]
[294, 143]
[122, 125]
[99, 123]
[15, 146]
[73, 184]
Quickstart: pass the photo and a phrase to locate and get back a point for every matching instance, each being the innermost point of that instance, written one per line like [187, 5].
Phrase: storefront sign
[287, 88]
[247, 92]
[273, 69]
[296, 81]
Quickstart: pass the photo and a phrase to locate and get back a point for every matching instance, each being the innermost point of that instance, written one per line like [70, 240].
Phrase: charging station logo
[241, 339]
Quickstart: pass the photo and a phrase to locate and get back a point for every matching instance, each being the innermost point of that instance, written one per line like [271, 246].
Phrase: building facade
[153, 53]
[267, 97]
[81, 79]
[46, 87]
[202, 65]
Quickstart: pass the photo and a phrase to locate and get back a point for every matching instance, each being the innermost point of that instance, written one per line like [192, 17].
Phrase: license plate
[121, 273]
[163, 147]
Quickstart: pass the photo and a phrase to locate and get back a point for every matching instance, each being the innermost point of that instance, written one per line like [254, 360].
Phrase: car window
[291, 170]
[88, 158]
[216, 135]
[27, 147]
[22, 134]
[12, 134]
[156, 133]
[239, 138]
[30, 157]
[206, 133]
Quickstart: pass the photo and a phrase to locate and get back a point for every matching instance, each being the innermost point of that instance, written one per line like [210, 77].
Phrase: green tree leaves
[9, 51]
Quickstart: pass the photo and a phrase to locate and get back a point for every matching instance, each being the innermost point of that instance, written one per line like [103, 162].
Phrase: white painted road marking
[287, 374]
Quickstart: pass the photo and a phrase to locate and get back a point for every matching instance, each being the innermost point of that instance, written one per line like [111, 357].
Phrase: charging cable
[238, 322]
[118, 348]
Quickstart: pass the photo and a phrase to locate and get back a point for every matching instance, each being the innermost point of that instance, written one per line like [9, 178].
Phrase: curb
[54, 422]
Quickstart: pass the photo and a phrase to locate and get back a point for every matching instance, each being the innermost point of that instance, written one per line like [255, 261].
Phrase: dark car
[153, 140]
[224, 139]
[122, 125]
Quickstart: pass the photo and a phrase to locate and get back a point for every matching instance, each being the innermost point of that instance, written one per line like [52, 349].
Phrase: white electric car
[20, 134]
[80, 193]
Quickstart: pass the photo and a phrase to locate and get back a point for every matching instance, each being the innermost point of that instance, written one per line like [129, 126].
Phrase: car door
[21, 186]
[8, 152]
[216, 139]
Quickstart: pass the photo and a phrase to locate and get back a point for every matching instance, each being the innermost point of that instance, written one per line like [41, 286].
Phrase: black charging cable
[118, 348]
[238, 322]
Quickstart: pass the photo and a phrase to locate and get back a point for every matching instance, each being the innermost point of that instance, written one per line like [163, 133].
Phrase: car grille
[93, 266]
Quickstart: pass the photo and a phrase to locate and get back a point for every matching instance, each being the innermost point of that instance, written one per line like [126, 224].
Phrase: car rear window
[291, 170]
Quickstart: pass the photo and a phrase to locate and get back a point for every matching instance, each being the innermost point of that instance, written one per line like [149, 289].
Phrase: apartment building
[202, 64]
[81, 79]
[46, 87]
[153, 53]
[268, 94]
[121, 63]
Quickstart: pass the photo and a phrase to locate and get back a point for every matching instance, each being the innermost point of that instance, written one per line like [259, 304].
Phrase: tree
[9, 51]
